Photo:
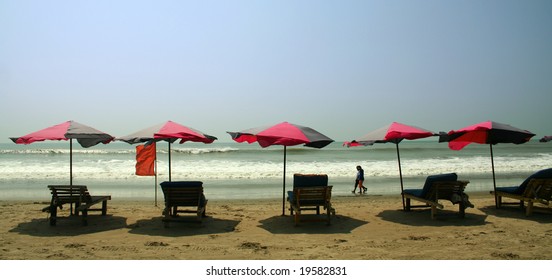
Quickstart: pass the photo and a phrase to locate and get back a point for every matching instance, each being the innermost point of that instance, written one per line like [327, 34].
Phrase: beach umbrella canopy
[488, 132]
[86, 136]
[170, 132]
[392, 133]
[284, 134]
[545, 139]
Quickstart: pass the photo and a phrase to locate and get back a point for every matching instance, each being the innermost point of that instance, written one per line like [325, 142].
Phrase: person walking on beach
[360, 180]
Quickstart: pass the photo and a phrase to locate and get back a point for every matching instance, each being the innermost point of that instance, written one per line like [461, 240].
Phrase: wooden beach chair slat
[439, 187]
[183, 197]
[79, 200]
[310, 192]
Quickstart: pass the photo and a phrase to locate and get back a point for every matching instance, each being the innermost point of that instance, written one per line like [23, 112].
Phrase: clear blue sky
[342, 67]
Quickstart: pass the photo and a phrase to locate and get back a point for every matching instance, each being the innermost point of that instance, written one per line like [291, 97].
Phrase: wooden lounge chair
[310, 192]
[439, 187]
[79, 200]
[537, 188]
[185, 194]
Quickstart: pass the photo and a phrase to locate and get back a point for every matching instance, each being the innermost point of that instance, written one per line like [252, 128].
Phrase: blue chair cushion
[429, 181]
[512, 190]
[437, 178]
[182, 184]
[305, 181]
[414, 192]
[310, 180]
[542, 174]
[291, 197]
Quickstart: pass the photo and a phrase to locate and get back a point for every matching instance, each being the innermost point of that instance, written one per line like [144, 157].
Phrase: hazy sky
[342, 67]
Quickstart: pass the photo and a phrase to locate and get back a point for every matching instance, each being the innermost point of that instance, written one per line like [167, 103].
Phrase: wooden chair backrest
[445, 189]
[309, 196]
[539, 188]
[183, 196]
[62, 194]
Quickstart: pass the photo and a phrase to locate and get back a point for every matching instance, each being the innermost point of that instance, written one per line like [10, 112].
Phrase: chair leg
[433, 211]
[53, 215]
[84, 217]
[104, 207]
[462, 209]
[407, 208]
[167, 214]
[529, 209]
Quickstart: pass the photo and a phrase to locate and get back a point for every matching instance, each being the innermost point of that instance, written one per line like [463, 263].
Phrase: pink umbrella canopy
[545, 139]
[392, 133]
[85, 135]
[284, 134]
[170, 132]
[487, 132]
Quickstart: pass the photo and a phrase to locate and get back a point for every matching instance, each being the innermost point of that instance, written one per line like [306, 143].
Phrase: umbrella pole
[71, 162]
[400, 174]
[284, 186]
[155, 167]
[71, 170]
[169, 161]
[494, 179]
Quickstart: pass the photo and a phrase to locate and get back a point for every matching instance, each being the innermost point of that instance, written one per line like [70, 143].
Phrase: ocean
[247, 171]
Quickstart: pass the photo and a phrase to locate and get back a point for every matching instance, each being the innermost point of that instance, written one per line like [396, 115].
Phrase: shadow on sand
[155, 227]
[70, 226]
[540, 215]
[286, 225]
[423, 218]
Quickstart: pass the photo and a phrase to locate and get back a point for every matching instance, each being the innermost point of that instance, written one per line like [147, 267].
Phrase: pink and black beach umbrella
[170, 132]
[284, 134]
[488, 132]
[86, 136]
[545, 139]
[392, 133]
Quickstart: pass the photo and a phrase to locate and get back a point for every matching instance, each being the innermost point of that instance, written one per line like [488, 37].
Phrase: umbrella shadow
[540, 215]
[156, 227]
[423, 218]
[70, 226]
[286, 225]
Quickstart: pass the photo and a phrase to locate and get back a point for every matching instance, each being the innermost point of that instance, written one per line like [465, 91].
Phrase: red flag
[145, 160]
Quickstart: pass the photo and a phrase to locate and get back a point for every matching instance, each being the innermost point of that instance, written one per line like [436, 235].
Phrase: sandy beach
[364, 228]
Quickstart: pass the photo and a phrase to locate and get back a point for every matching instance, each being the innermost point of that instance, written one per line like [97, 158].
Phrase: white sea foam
[228, 169]
[234, 168]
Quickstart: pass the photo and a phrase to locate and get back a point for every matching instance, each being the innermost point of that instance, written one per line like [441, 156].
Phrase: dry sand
[365, 228]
